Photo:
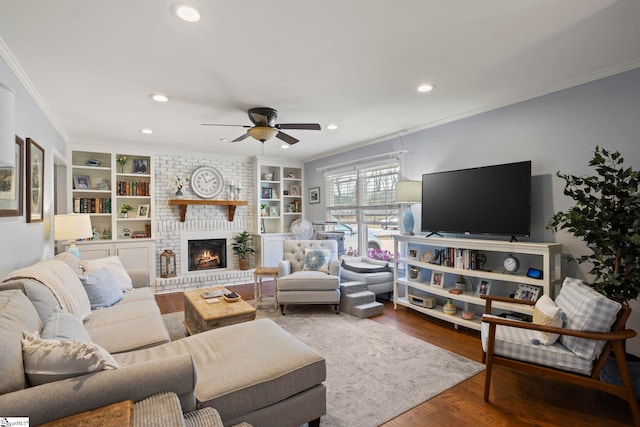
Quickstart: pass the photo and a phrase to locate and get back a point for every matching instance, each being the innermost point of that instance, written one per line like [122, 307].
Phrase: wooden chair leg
[489, 361]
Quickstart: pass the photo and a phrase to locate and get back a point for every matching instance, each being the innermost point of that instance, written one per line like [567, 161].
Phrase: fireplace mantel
[184, 203]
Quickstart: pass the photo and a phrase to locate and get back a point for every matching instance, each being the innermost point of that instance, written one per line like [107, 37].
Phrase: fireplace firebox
[207, 254]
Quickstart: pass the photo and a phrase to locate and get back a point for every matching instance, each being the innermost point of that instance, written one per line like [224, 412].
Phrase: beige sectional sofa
[254, 371]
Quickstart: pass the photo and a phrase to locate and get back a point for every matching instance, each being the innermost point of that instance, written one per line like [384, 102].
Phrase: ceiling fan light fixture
[186, 12]
[262, 133]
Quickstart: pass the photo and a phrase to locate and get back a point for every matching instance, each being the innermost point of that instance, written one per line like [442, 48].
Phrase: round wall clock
[206, 182]
[511, 264]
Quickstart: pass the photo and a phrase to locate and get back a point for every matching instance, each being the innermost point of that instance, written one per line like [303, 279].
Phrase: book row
[132, 188]
[91, 205]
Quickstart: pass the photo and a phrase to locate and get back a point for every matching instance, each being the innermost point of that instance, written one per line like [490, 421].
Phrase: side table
[258, 291]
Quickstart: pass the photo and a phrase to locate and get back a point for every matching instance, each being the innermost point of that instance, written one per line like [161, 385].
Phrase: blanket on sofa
[63, 283]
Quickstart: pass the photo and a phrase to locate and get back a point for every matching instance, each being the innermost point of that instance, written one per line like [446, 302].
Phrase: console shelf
[412, 249]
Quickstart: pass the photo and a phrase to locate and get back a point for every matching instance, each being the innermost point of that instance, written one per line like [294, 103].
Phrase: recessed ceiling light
[186, 12]
[284, 146]
[146, 131]
[332, 127]
[224, 139]
[158, 97]
[427, 87]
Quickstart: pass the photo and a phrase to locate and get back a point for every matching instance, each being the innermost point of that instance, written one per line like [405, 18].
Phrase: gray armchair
[309, 273]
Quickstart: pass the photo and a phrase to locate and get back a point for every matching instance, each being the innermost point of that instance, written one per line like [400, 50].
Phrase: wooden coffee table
[200, 316]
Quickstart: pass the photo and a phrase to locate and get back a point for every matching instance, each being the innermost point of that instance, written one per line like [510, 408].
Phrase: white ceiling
[357, 64]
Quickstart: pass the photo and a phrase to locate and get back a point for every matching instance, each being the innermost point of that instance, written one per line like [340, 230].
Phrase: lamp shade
[72, 227]
[262, 133]
[409, 191]
[7, 127]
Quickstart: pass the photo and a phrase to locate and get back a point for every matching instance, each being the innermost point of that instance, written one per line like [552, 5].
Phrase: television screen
[485, 200]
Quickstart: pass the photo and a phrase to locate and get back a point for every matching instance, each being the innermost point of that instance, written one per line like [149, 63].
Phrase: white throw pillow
[53, 360]
[114, 265]
[316, 260]
[102, 288]
[547, 313]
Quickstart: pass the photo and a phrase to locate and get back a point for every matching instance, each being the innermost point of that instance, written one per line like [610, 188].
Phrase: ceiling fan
[265, 126]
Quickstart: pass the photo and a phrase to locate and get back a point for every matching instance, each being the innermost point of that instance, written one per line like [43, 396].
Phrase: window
[362, 201]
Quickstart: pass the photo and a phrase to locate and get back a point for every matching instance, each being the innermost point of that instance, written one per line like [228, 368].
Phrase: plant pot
[461, 286]
[125, 214]
[244, 263]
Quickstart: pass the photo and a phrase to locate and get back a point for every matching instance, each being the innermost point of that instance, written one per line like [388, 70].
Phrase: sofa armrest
[284, 268]
[139, 277]
[334, 268]
[60, 399]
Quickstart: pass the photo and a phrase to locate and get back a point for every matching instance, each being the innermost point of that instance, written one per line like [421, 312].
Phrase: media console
[420, 257]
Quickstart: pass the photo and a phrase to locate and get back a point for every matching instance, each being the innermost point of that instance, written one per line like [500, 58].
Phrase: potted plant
[461, 283]
[124, 210]
[263, 209]
[242, 247]
[606, 216]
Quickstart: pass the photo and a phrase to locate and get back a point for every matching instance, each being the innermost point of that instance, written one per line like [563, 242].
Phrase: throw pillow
[102, 288]
[362, 267]
[114, 265]
[316, 260]
[52, 360]
[63, 325]
[547, 313]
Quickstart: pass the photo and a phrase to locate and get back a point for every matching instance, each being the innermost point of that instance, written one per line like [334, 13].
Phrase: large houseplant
[242, 246]
[606, 215]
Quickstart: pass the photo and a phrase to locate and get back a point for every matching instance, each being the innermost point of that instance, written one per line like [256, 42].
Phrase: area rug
[374, 373]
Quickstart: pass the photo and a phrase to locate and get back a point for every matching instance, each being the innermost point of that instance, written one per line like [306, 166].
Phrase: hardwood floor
[516, 398]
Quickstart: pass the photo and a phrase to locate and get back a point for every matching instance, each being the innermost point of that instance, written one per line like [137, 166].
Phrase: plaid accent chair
[592, 326]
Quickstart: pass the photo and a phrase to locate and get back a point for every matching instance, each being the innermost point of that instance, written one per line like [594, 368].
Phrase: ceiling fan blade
[215, 124]
[286, 138]
[241, 138]
[306, 126]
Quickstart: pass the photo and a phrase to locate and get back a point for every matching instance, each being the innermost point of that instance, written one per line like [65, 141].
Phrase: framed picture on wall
[314, 195]
[35, 181]
[11, 184]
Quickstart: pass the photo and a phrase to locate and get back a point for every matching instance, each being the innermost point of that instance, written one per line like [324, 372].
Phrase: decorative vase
[179, 193]
[125, 214]
[244, 263]
[449, 308]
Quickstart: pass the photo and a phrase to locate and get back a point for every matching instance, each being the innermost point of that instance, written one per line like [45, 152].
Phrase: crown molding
[14, 65]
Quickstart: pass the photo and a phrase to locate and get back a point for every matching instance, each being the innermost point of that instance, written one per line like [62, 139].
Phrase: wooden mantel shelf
[183, 203]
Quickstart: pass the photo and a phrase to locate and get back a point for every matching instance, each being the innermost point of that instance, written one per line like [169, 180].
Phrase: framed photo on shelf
[412, 253]
[527, 292]
[294, 190]
[426, 256]
[140, 166]
[414, 273]
[314, 195]
[273, 211]
[484, 286]
[81, 182]
[143, 211]
[437, 279]
[11, 184]
[35, 181]
[267, 192]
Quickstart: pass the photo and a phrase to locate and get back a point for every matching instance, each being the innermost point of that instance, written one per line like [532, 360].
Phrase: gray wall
[21, 243]
[556, 132]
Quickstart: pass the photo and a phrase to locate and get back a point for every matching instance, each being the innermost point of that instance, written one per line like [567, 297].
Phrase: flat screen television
[485, 200]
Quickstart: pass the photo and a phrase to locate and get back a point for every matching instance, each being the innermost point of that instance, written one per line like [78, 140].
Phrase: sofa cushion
[64, 326]
[114, 265]
[316, 260]
[308, 281]
[102, 288]
[17, 314]
[48, 360]
[585, 310]
[40, 296]
[72, 261]
[229, 380]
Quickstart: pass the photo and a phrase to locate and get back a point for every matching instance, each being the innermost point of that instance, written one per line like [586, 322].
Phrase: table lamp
[72, 227]
[408, 192]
